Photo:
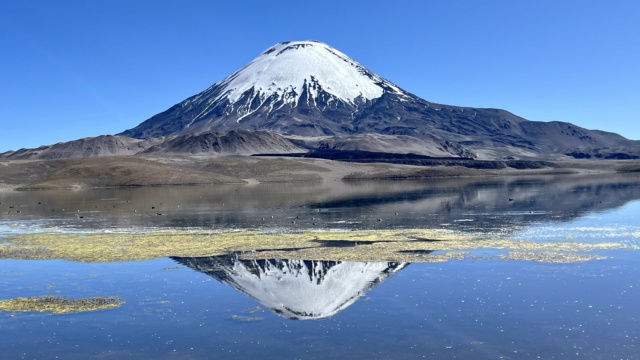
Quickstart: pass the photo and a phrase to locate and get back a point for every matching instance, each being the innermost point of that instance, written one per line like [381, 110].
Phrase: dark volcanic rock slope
[308, 89]
[237, 142]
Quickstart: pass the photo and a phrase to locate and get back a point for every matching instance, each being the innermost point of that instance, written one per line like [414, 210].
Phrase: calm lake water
[222, 307]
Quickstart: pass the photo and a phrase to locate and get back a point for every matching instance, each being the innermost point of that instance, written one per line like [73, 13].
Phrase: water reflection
[297, 289]
[473, 204]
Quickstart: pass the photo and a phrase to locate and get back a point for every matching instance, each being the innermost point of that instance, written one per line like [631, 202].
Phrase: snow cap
[288, 67]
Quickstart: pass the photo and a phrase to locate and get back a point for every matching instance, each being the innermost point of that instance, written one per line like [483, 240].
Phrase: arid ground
[131, 171]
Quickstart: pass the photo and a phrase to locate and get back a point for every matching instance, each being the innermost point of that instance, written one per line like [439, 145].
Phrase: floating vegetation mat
[59, 305]
[411, 245]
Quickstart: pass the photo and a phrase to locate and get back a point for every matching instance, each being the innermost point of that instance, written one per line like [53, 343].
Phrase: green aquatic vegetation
[59, 305]
[406, 245]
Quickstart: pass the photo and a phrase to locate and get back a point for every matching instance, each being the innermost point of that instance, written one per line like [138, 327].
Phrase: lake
[485, 268]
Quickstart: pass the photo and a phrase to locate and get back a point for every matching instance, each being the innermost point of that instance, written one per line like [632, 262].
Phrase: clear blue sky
[71, 69]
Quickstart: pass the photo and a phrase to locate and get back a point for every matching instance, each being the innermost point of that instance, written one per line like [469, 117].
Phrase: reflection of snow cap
[298, 289]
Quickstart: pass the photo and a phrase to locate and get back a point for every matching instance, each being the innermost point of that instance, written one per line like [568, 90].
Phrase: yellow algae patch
[96, 247]
[59, 305]
[413, 245]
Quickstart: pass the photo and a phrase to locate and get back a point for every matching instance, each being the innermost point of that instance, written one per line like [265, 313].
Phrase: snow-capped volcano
[288, 70]
[319, 97]
[297, 289]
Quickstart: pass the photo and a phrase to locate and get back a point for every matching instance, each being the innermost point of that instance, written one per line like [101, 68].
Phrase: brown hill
[105, 145]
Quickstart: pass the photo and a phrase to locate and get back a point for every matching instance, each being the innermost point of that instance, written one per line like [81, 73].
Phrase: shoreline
[184, 170]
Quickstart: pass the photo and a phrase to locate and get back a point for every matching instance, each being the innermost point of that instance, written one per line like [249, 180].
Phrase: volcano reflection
[297, 289]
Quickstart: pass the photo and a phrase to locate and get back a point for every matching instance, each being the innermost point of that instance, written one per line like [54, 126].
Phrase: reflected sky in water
[479, 309]
[222, 307]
